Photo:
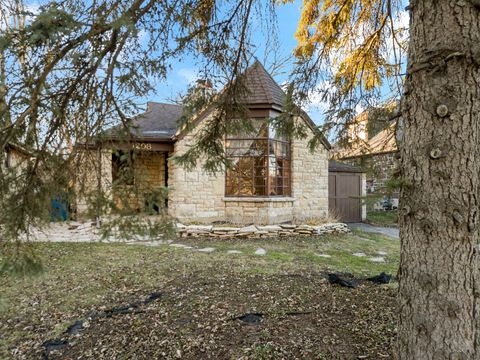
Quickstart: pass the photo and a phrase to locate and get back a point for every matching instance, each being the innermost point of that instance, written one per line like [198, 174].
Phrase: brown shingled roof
[159, 122]
[262, 87]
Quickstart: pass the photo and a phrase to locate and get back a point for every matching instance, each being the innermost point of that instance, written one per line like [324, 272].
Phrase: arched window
[261, 164]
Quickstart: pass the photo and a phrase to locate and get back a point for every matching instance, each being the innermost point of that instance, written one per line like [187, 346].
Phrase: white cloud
[402, 20]
[317, 100]
[33, 7]
[143, 36]
[359, 109]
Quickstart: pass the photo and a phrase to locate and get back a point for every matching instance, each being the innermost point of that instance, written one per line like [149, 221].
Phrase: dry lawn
[198, 301]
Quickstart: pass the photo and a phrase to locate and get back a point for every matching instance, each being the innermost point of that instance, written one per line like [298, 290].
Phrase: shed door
[344, 192]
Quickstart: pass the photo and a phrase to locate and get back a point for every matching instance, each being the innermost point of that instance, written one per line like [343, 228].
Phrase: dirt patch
[239, 315]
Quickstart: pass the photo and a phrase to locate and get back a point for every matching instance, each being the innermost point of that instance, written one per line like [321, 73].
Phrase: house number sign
[142, 146]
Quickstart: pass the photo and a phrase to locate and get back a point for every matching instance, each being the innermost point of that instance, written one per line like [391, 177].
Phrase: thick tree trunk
[440, 157]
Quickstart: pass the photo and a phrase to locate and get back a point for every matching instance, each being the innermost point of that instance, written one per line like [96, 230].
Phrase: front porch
[140, 176]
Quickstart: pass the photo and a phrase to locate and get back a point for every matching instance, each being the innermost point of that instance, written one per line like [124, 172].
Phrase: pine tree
[440, 109]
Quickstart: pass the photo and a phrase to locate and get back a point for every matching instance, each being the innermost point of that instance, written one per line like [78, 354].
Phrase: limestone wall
[259, 211]
[199, 197]
[378, 167]
[16, 159]
[194, 195]
[149, 168]
[13, 159]
[309, 180]
[89, 163]
[149, 175]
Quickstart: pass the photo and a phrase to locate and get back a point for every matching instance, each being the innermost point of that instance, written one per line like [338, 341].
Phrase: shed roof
[336, 166]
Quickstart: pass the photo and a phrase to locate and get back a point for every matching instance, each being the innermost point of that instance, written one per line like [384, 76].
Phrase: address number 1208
[142, 146]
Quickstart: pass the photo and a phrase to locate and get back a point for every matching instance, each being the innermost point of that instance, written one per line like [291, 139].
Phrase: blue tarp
[59, 209]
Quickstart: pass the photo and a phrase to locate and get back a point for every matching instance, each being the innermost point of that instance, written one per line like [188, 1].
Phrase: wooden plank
[344, 196]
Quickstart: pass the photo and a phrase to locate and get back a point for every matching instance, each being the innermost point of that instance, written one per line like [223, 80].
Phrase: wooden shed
[346, 187]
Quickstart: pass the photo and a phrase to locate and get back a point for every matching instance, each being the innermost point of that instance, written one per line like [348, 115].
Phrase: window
[261, 164]
[122, 168]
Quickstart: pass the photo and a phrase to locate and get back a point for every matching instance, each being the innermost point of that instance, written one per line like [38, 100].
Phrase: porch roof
[157, 124]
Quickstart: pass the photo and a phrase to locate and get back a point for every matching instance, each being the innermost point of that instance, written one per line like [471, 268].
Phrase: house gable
[265, 99]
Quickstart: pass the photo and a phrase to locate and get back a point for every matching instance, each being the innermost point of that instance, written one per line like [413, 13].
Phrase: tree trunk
[440, 158]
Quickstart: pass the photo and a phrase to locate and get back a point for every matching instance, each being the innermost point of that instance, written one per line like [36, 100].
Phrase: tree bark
[440, 161]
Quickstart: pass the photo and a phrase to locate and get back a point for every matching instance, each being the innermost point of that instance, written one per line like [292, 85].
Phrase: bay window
[261, 164]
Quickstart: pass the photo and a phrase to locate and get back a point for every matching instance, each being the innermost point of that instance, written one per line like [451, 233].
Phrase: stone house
[272, 180]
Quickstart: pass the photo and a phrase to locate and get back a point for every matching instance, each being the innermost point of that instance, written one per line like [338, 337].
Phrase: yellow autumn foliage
[351, 36]
[204, 10]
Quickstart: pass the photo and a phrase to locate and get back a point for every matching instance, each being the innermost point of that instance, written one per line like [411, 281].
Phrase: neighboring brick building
[272, 180]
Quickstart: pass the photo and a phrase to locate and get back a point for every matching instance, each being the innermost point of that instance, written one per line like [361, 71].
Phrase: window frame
[286, 190]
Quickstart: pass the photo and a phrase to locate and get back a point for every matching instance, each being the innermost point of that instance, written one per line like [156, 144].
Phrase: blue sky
[184, 72]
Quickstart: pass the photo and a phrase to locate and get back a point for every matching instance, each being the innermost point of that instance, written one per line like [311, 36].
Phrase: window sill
[257, 199]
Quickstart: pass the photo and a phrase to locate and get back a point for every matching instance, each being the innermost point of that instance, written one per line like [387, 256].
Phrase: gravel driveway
[387, 231]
